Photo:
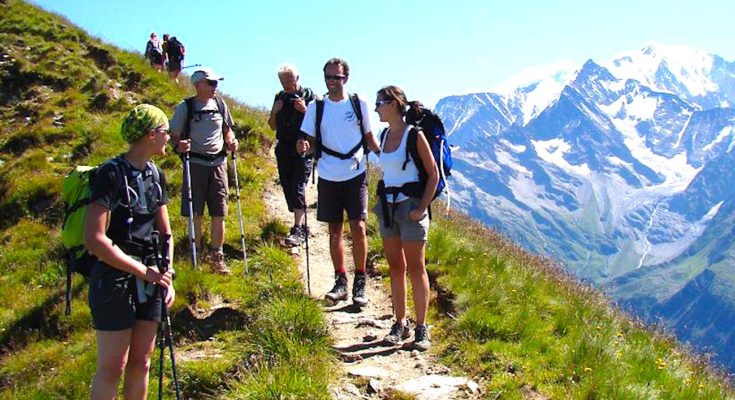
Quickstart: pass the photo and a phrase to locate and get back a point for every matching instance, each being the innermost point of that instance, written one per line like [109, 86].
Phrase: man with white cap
[202, 126]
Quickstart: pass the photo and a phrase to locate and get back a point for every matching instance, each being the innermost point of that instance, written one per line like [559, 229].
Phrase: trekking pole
[239, 214]
[306, 226]
[192, 66]
[165, 318]
[190, 206]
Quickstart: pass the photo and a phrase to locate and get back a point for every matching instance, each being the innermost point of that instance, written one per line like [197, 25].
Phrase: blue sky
[431, 49]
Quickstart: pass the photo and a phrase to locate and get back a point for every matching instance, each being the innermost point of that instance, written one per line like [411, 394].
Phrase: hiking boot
[295, 237]
[397, 333]
[359, 298]
[421, 338]
[339, 291]
[218, 264]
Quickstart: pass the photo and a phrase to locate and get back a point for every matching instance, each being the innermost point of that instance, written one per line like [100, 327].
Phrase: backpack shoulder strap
[221, 110]
[383, 134]
[189, 104]
[355, 101]
[412, 149]
[318, 127]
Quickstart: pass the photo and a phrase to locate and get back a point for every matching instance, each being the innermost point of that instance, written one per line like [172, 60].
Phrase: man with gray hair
[286, 116]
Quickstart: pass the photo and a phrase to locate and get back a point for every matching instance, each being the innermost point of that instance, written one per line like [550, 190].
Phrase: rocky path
[371, 369]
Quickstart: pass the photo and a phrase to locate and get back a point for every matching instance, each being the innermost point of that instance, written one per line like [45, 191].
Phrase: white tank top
[392, 164]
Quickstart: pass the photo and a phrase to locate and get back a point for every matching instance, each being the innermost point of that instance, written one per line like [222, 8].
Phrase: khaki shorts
[402, 226]
[209, 186]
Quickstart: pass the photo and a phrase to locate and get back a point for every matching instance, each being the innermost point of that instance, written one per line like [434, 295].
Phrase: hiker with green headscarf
[128, 203]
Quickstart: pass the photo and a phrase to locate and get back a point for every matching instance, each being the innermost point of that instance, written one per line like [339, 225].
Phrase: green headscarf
[140, 120]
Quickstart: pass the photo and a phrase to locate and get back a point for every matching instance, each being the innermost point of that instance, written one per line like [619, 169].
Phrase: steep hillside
[62, 98]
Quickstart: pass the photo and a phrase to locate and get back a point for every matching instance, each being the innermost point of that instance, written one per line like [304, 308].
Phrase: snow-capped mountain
[623, 170]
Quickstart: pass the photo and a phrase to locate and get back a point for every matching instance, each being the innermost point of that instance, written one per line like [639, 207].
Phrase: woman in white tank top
[402, 213]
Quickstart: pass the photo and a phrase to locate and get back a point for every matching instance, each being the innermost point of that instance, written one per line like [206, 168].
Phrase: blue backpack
[433, 128]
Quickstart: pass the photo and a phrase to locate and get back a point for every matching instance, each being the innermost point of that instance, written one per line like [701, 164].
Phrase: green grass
[62, 98]
[521, 322]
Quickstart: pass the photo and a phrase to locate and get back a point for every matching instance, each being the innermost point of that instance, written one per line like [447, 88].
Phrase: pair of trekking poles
[190, 206]
[165, 336]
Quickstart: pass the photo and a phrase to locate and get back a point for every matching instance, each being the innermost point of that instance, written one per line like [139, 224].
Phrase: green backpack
[76, 192]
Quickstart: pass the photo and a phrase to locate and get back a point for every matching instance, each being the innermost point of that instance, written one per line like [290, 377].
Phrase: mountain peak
[668, 68]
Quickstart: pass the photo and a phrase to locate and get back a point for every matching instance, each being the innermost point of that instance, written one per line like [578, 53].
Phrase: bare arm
[277, 106]
[372, 143]
[97, 242]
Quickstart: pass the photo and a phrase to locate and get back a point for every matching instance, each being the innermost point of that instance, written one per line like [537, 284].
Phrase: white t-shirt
[392, 165]
[340, 132]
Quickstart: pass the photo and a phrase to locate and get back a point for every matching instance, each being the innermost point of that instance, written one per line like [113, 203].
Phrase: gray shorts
[208, 186]
[402, 226]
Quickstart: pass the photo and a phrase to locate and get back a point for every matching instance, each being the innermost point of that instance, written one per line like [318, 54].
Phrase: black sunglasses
[212, 83]
[335, 77]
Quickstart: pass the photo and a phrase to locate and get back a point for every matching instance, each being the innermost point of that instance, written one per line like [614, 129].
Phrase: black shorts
[336, 197]
[293, 172]
[174, 66]
[113, 300]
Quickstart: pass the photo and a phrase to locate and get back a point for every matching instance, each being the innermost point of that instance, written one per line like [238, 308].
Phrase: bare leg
[416, 266]
[397, 262]
[359, 244]
[112, 356]
[336, 249]
[198, 231]
[142, 344]
[218, 232]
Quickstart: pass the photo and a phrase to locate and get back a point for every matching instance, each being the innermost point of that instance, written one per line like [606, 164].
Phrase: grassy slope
[62, 98]
[525, 326]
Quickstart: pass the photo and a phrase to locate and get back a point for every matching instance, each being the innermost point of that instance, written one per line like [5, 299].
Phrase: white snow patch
[724, 133]
[552, 151]
[677, 172]
[712, 212]
[516, 148]
[507, 159]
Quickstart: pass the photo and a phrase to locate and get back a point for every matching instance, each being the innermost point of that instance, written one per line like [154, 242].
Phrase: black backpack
[433, 129]
[175, 50]
[355, 101]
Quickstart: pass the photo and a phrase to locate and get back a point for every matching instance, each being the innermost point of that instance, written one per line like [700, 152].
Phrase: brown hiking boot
[218, 264]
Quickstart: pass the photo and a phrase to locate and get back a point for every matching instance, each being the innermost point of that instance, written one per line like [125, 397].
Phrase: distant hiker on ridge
[128, 202]
[286, 116]
[402, 207]
[154, 52]
[175, 52]
[338, 132]
[202, 125]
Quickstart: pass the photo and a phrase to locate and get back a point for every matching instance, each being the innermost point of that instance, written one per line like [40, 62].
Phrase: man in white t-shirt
[339, 143]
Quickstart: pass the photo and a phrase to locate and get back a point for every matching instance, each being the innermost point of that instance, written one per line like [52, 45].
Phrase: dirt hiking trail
[371, 369]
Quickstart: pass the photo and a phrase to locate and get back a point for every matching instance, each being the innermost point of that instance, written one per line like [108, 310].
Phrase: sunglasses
[162, 130]
[379, 103]
[334, 77]
[212, 83]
